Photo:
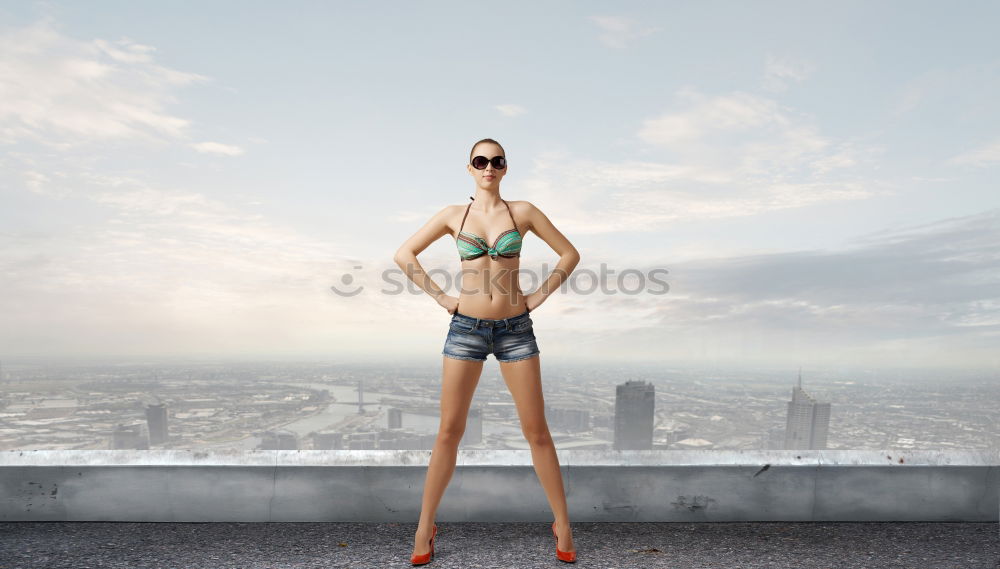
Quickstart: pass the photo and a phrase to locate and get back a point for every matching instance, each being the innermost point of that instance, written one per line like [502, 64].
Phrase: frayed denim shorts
[508, 339]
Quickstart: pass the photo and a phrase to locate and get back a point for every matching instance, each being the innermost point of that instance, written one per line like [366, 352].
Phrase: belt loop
[475, 325]
[506, 323]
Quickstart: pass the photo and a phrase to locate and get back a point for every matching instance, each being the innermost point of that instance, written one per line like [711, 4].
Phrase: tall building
[156, 422]
[395, 418]
[634, 406]
[808, 421]
[473, 428]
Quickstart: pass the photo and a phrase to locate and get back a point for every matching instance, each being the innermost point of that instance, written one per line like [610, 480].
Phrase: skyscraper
[473, 428]
[156, 423]
[634, 406]
[395, 418]
[808, 421]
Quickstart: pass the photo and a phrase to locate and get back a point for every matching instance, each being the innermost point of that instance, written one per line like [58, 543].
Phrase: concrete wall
[382, 485]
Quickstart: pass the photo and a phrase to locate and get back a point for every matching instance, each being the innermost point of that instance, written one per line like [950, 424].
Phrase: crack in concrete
[986, 488]
[815, 477]
[274, 487]
[368, 486]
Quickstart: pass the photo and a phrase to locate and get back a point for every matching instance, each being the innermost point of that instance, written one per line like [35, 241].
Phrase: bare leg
[524, 380]
[458, 384]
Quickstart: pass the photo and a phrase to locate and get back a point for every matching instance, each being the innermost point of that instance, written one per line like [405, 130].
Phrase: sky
[815, 183]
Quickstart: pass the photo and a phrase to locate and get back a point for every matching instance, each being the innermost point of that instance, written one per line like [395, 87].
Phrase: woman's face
[488, 177]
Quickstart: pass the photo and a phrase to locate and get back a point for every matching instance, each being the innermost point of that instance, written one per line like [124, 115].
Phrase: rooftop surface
[721, 545]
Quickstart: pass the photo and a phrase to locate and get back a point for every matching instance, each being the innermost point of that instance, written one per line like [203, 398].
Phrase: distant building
[473, 428]
[634, 406]
[395, 418]
[278, 440]
[404, 439]
[808, 421]
[156, 422]
[328, 441]
[129, 437]
[367, 440]
[568, 420]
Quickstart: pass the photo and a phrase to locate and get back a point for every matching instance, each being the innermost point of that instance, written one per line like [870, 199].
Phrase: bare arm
[406, 256]
[568, 255]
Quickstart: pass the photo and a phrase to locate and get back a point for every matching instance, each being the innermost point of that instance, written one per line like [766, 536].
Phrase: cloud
[511, 110]
[618, 32]
[217, 148]
[126, 51]
[170, 271]
[708, 115]
[35, 181]
[921, 295]
[730, 155]
[64, 92]
[115, 262]
[968, 91]
[985, 155]
[780, 71]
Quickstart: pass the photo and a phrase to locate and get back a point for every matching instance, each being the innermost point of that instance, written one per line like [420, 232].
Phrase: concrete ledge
[495, 486]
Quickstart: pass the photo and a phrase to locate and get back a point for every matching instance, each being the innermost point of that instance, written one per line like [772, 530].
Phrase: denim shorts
[508, 339]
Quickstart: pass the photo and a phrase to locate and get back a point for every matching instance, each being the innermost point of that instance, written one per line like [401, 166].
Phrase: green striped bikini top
[472, 246]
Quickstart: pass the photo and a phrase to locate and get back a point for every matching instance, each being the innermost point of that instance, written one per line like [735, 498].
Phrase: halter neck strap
[470, 206]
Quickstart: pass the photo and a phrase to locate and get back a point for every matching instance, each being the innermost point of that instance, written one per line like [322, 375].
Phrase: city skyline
[318, 406]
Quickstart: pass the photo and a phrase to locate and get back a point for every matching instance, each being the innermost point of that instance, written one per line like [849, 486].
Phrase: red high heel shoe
[567, 556]
[424, 558]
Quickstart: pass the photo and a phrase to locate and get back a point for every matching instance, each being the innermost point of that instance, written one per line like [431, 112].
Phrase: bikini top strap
[511, 215]
[466, 214]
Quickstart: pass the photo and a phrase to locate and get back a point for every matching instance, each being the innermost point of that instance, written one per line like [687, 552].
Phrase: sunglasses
[480, 162]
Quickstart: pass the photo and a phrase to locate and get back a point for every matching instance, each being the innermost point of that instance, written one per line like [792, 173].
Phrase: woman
[493, 319]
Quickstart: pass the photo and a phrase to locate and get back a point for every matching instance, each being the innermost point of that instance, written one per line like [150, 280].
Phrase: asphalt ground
[721, 545]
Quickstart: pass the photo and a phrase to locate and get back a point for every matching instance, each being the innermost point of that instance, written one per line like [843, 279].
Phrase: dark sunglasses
[480, 162]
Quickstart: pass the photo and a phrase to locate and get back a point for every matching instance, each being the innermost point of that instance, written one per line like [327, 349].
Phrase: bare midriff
[490, 288]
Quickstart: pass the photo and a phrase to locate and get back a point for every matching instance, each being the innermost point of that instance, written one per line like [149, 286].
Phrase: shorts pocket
[521, 327]
[460, 327]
